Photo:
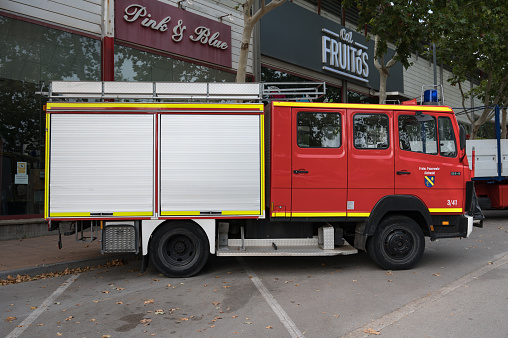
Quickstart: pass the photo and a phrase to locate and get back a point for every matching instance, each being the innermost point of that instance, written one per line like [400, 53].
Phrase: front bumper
[458, 226]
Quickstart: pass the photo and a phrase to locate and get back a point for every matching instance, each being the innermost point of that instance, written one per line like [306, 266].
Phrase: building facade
[168, 40]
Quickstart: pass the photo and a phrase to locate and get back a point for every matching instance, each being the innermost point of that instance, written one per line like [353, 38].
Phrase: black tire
[397, 244]
[179, 249]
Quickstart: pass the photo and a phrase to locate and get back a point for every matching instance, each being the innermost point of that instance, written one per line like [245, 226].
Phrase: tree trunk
[383, 77]
[384, 70]
[249, 21]
[474, 132]
[244, 51]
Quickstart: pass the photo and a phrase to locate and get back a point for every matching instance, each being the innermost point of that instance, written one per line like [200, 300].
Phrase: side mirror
[421, 117]
[462, 137]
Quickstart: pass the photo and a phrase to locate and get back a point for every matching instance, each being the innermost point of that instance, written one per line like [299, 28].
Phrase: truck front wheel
[397, 243]
[179, 249]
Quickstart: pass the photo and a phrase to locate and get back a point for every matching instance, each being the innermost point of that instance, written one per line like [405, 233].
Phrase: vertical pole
[498, 138]
[1, 160]
[256, 46]
[344, 91]
[434, 61]
[108, 41]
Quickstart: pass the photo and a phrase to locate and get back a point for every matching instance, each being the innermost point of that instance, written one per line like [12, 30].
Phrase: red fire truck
[177, 177]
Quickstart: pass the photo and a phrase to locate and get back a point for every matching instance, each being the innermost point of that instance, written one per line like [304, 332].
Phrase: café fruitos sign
[342, 55]
[168, 28]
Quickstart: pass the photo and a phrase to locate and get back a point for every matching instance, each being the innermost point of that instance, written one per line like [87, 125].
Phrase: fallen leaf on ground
[371, 331]
[26, 278]
[10, 319]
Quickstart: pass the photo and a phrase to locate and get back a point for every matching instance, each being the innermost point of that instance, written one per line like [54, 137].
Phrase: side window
[447, 145]
[318, 130]
[370, 131]
[417, 136]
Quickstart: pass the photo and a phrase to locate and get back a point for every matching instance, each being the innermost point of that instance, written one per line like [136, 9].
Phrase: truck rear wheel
[397, 243]
[179, 249]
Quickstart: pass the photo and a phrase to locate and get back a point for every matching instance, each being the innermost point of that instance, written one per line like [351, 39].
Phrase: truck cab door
[318, 163]
[370, 160]
[427, 163]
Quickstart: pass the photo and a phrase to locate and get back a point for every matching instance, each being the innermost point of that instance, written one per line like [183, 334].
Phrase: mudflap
[478, 216]
[144, 263]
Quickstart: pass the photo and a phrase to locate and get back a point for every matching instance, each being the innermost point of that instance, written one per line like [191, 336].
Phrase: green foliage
[473, 41]
[402, 23]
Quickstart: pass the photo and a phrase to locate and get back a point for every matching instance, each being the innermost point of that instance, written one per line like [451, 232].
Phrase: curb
[58, 267]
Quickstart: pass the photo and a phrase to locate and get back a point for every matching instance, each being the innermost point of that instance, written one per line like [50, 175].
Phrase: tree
[250, 18]
[474, 42]
[401, 23]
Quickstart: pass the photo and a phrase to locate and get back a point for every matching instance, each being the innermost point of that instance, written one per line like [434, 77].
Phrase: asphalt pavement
[39, 255]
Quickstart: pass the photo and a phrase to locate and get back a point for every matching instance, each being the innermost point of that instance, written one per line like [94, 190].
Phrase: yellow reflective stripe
[280, 214]
[445, 209]
[141, 213]
[318, 214]
[308, 214]
[180, 213]
[69, 214]
[358, 214]
[242, 212]
[87, 214]
[147, 105]
[262, 141]
[197, 213]
[46, 169]
[363, 106]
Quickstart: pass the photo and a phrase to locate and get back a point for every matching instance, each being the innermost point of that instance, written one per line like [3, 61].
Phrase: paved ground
[41, 255]
[458, 289]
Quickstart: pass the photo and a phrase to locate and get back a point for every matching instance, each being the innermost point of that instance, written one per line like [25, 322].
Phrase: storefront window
[31, 56]
[136, 65]
[333, 94]
[354, 97]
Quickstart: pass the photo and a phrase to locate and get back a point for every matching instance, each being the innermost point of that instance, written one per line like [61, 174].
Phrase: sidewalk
[37, 255]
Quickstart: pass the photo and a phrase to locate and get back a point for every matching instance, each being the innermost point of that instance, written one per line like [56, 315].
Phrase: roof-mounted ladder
[268, 91]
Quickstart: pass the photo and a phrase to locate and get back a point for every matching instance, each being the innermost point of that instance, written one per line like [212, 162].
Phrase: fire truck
[179, 171]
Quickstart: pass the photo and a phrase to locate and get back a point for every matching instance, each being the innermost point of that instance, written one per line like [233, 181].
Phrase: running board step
[282, 247]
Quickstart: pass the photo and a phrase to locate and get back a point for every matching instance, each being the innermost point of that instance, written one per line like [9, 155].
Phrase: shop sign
[342, 55]
[169, 28]
[316, 43]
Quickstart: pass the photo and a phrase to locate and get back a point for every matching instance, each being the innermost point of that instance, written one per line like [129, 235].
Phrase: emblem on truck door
[429, 181]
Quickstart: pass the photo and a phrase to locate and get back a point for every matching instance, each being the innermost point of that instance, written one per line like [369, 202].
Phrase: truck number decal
[452, 203]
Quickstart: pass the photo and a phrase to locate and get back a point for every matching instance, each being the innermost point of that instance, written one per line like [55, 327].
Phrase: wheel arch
[410, 206]
[149, 227]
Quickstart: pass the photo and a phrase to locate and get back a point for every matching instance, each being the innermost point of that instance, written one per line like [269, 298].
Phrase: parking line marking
[409, 308]
[43, 307]
[279, 311]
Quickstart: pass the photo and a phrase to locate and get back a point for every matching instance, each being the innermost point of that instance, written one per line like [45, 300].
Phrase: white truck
[488, 160]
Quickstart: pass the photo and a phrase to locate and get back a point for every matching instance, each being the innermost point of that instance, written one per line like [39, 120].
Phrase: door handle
[300, 171]
[403, 172]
